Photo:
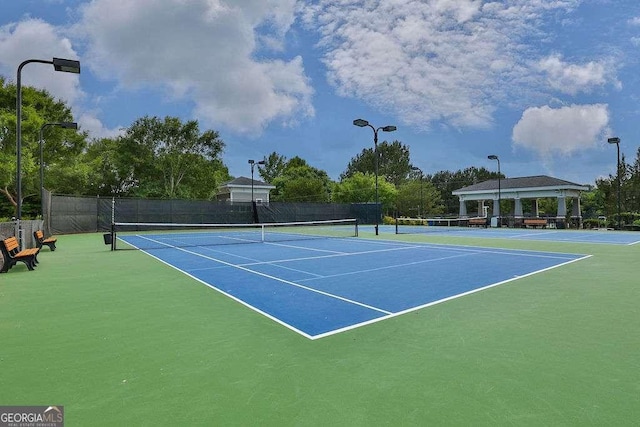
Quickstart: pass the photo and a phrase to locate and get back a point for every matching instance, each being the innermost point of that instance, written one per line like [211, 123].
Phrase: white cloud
[204, 50]
[36, 39]
[571, 78]
[426, 61]
[551, 132]
[90, 123]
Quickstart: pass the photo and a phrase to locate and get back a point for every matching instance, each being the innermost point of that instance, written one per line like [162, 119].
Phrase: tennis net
[426, 225]
[165, 235]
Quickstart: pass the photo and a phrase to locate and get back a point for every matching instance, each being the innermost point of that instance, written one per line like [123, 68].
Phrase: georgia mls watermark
[31, 416]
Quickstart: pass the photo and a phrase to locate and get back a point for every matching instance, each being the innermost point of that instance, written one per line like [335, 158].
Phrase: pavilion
[528, 188]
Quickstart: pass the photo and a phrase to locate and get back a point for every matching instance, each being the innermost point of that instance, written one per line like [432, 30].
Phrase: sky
[542, 84]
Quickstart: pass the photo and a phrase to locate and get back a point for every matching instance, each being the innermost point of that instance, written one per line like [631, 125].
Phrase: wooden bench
[480, 222]
[12, 254]
[41, 241]
[535, 222]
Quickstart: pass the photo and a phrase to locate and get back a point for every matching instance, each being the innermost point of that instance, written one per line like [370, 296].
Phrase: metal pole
[251, 182]
[364, 123]
[42, 168]
[619, 199]
[41, 174]
[420, 204]
[19, 145]
[64, 65]
[616, 140]
[499, 196]
[375, 144]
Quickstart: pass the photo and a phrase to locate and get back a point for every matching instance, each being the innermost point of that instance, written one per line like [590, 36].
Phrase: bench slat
[41, 241]
[12, 254]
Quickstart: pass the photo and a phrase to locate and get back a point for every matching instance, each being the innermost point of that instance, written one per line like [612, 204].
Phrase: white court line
[409, 310]
[288, 282]
[389, 314]
[303, 247]
[535, 233]
[341, 254]
[389, 267]
[276, 263]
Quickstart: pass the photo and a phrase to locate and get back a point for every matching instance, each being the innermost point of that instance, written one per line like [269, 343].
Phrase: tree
[416, 198]
[274, 166]
[299, 182]
[361, 188]
[62, 147]
[633, 185]
[393, 163]
[159, 158]
[111, 172]
[446, 182]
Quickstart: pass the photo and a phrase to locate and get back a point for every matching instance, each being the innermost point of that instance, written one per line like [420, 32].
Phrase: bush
[593, 223]
[388, 220]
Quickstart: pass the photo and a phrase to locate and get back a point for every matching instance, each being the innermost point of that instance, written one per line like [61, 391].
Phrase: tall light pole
[616, 141]
[494, 157]
[415, 168]
[253, 163]
[64, 125]
[63, 65]
[363, 123]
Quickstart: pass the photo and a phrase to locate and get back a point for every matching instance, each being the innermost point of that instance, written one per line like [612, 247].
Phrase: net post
[113, 236]
[113, 223]
[356, 227]
[262, 233]
[397, 225]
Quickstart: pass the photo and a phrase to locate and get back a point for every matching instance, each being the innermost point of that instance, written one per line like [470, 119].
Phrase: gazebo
[519, 189]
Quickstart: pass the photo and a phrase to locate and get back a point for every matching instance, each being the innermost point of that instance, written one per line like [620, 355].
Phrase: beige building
[241, 190]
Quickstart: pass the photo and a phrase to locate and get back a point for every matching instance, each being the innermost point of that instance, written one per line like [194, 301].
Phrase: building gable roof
[538, 181]
[242, 181]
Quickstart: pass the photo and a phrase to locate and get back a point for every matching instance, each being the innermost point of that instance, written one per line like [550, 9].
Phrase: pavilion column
[518, 207]
[480, 208]
[562, 207]
[496, 207]
[463, 208]
[536, 212]
[575, 211]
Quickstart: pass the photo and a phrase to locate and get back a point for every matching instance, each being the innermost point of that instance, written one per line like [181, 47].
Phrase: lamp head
[68, 125]
[389, 128]
[251, 162]
[492, 157]
[66, 65]
[613, 140]
[261, 162]
[361, 123]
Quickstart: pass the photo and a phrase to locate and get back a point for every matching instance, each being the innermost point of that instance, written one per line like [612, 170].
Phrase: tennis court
[319, 287]
[549, 235]
[120, 338]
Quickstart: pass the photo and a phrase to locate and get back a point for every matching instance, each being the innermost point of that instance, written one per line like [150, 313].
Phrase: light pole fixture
[415, 168]
[616, 141]
[253, 163]
[363, 123]
[494, 157]
[64, 125]
[59, 64]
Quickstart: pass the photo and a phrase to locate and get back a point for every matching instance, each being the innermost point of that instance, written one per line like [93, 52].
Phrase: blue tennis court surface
[551, 235]
[324, 286]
